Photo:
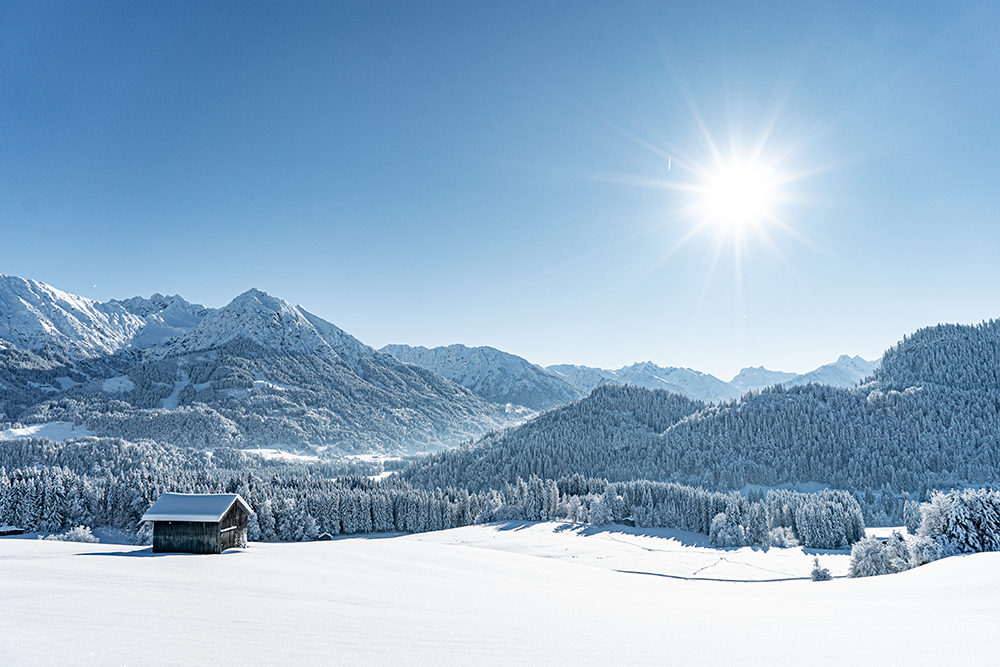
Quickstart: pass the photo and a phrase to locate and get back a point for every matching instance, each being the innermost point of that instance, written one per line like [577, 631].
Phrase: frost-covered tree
[963, 521]
[911, 516]
[872, 557]
[726, 531]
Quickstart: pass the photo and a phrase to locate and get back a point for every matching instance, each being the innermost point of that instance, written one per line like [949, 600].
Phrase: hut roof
[199, 507]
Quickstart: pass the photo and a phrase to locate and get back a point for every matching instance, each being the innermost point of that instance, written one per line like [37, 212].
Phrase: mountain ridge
[257, 372]
[497, 376]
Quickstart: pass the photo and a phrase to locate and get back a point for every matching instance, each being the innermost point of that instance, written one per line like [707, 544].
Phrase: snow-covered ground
[505, 594]
[651, 551]
[54, 431]
[272, 454]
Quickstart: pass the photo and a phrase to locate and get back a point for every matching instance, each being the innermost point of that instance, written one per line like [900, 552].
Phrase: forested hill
[608, 434]
[965, 358]
[931, 418]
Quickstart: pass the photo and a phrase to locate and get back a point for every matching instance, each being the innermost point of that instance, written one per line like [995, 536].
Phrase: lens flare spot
[739, 193]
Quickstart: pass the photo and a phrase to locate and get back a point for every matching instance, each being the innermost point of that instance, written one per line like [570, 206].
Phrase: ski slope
[510, 594]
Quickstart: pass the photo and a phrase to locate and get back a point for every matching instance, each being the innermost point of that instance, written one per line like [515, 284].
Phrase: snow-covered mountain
[684, 381]
[166, 317]
[34, 315]
[845, 372]
[497, 376]
[584, 378]
[758, 377]
[258, 372]
[272, 323]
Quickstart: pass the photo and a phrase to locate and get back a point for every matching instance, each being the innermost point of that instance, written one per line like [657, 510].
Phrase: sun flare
[739, 193]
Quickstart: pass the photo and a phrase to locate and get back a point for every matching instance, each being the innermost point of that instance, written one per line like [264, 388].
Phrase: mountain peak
[272, 323]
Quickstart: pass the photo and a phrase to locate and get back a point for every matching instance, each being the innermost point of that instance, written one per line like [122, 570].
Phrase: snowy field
[524, 594]
[54, 431]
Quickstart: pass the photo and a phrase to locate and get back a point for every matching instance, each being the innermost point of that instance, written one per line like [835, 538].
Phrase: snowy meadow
[500, 594]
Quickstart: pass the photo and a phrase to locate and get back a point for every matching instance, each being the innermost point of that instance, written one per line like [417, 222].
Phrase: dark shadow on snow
[683, 537]
[148, 553]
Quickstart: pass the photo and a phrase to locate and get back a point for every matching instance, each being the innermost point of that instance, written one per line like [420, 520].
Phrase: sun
[738, 193]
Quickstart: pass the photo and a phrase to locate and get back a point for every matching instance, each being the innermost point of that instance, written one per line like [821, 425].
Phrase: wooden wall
[188, 537]
[233, 528]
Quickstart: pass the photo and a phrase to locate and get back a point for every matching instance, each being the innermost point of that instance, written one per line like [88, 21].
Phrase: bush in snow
[820, 573]
[872, 557]
[78, 534]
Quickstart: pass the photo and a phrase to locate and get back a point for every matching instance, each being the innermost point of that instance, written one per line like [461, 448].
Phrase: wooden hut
[198, 523]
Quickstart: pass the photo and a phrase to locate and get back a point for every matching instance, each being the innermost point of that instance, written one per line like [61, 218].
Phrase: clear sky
[496, 173]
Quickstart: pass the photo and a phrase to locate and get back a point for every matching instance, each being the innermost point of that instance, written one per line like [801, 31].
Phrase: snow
[54, 431]
[66, 382]
[280, 454]
[119, 384]
[653, 551]
[170, 402]
[201, 507]
[271, 386]
[446, 599]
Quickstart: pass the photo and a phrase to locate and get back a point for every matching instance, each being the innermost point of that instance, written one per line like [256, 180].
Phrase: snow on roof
[200, 507]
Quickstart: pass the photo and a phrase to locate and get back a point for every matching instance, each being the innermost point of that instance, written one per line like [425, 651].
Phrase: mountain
[496, 376]
[584, 378]
[752, 378]
[166, 317]
[845, 372]
[34, 315]
[684, 381]
[929, 417]
[258, 372]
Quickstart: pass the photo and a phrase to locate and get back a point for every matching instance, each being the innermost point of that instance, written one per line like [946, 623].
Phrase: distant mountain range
[502, 378]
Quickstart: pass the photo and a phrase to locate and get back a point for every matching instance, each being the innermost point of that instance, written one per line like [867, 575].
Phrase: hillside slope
[496, 376]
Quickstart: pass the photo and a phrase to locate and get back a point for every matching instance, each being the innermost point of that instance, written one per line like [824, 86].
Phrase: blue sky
[496, 173]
